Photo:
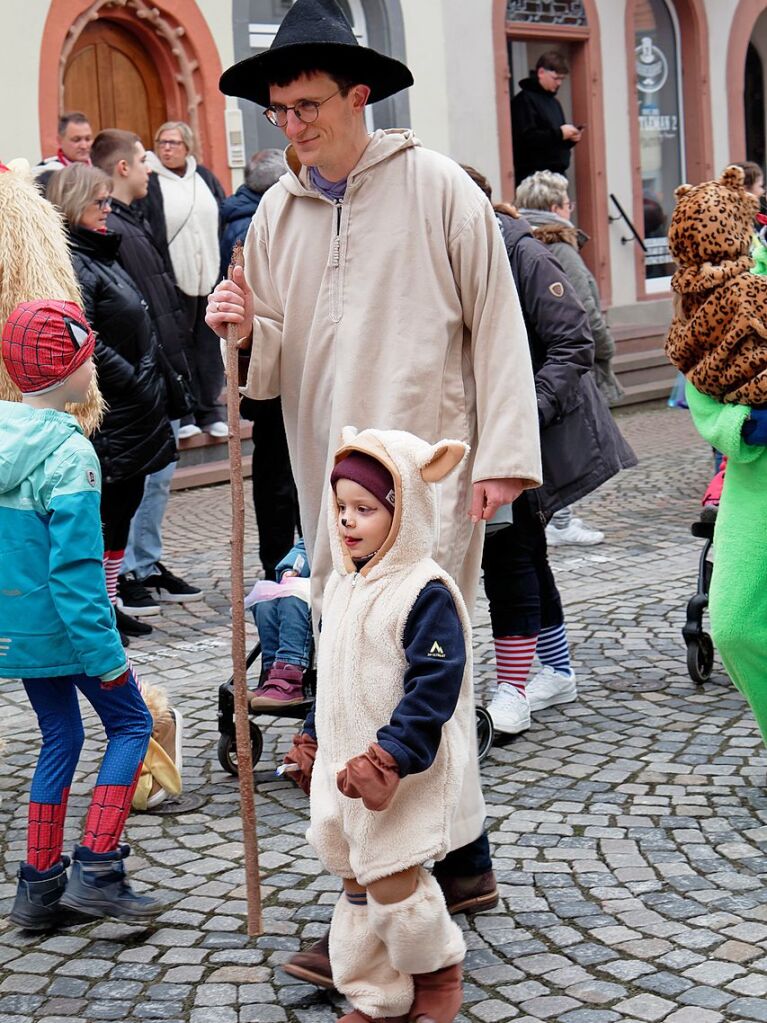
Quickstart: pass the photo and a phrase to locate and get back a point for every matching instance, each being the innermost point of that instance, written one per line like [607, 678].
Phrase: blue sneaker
[38, 896]
[99, 887]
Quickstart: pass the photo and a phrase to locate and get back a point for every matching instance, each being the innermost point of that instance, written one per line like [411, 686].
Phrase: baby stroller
[700, 648]
[227, 749]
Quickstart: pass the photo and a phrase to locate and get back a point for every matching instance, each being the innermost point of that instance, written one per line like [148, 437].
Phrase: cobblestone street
[629, 829]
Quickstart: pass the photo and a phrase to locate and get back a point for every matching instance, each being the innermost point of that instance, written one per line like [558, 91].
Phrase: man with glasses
[542, 138]
[377, 292]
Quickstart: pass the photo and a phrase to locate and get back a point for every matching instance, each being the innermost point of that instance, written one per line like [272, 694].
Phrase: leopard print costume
[718, 337]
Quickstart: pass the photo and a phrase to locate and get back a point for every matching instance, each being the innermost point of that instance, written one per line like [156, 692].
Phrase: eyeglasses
[555, 75]
[306, 110]
[103, 204]
[172, 143]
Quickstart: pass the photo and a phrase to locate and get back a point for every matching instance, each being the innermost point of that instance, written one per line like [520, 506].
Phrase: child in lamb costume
[718, 338]
[395, 729]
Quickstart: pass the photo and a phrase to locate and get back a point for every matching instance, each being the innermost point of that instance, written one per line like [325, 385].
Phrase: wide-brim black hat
[312, 33]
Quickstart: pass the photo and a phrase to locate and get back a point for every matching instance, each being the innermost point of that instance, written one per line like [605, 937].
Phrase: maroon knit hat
[369, 473]
[44, 342]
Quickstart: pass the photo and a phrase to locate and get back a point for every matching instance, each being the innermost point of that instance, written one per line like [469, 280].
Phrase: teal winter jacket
[55, 616]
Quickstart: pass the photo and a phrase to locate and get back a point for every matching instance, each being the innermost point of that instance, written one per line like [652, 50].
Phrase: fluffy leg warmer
[423, 941]
[361, 967]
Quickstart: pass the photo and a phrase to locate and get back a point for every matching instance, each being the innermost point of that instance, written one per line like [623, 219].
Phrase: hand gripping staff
[239, 670]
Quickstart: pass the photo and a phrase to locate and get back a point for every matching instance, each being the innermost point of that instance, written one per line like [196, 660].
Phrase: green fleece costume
[738, 596]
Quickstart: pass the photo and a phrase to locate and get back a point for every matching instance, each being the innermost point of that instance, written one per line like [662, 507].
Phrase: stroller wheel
[485, 733]
[700, 658]
[227, 749]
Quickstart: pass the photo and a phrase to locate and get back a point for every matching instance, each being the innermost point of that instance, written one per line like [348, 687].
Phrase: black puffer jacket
[581, 445]
[147, 263]
[536, 121]
[135, 437]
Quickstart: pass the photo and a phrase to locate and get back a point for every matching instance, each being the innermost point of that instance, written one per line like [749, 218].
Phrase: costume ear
[682, 190]
[348, 434]
[445, 456]
[732, 177]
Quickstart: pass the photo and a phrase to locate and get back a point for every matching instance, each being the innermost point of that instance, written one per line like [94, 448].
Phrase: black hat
[315, 31]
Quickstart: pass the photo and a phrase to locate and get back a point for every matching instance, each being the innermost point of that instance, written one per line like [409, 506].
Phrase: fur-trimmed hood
[415, 467]
[550, 229]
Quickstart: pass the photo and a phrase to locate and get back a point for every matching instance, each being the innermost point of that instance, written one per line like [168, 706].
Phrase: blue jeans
[285, 630]
[144, 547]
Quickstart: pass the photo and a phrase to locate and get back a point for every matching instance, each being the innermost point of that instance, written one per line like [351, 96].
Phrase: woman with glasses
[183, 208]
[135, 437]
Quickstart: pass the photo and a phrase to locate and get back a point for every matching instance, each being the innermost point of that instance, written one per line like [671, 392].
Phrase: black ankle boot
[38, 894]
[99, 887]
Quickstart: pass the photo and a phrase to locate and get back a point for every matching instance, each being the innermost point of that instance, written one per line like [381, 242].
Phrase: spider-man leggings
[128, 725]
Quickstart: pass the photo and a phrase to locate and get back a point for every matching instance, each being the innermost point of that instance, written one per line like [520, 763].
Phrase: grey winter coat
[565, 242]
[581, 445]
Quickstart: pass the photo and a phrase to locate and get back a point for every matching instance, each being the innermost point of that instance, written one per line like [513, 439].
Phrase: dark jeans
[468, 861]
[519, 583]
[275, 498]
[119, 503]
[205, 363]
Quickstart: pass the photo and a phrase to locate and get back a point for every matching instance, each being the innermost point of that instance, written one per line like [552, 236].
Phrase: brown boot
[438, 995]
[313, 965]
[475, 894]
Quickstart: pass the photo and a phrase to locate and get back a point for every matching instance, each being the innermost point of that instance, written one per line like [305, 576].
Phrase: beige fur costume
[361, 667]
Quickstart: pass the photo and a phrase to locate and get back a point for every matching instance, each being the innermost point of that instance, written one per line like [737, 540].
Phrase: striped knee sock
[513, 657]
[553, 651]
[113, 561]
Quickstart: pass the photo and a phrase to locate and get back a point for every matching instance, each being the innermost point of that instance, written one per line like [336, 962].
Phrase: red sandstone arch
[189, 68]
[587, 94]
[743, 22]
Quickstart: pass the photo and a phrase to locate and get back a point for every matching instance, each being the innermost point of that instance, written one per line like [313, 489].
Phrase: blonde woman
[183, 208]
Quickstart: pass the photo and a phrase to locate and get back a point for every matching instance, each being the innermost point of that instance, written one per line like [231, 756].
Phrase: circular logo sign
[651, 66]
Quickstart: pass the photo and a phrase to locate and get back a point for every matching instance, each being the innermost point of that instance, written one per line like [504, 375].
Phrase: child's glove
[372, 777]
[303, 753]
[755, 427]
[113, 680]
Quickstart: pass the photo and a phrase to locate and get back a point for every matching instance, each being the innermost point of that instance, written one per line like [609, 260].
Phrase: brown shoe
[313, 965]
[475, 894]
[438, 996]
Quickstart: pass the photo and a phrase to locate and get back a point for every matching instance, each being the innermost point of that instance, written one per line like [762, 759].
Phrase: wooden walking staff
[239, 669]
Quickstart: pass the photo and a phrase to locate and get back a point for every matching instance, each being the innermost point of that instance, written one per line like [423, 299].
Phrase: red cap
[44, 342]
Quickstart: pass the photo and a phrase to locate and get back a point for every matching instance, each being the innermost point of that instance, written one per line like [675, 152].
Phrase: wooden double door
[112, 79]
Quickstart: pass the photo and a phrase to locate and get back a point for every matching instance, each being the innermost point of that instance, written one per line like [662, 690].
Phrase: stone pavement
[629, 829]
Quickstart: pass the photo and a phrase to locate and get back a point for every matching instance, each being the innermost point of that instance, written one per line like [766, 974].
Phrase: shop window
[659, 110]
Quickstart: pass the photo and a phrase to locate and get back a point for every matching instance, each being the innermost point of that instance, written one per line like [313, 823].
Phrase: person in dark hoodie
[135, 437]
[274, 492]
[541, 137]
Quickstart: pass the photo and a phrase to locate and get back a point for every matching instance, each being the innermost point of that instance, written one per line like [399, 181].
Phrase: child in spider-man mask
[57, 627]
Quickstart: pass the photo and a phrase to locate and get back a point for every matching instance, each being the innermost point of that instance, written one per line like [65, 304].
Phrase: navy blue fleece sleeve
[436, 657]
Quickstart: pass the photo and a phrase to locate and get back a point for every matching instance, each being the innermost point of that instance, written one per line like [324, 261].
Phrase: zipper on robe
[335, 267]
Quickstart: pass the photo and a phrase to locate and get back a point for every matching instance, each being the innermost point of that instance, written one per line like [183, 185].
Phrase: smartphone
[580, 127]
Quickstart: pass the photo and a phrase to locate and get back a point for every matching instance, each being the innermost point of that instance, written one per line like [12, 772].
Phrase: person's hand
[231, 302]
[755, 427]
[289, 573]
[115, 683]
[303, 753]
[372, 777]
[489, 495]
[570, 133]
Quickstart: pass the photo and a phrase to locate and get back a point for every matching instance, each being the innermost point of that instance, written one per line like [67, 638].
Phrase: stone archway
[175, 35]
[743, 23]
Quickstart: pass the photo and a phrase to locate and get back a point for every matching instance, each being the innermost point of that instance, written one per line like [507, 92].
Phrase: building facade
[669, 91]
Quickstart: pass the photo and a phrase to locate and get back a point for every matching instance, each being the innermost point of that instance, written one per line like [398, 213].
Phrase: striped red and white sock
[113, 561]
[513, 657]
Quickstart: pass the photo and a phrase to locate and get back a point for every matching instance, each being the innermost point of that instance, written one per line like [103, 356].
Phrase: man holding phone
[542, 138]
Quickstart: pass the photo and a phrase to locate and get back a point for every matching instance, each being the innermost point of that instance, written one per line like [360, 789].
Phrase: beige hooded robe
[360, 680]
[394, 309]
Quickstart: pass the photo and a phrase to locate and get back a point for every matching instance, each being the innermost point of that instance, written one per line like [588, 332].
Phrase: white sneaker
[190, 430]
[218, 429]
[573, 533]
[549, 688]
[509, 710]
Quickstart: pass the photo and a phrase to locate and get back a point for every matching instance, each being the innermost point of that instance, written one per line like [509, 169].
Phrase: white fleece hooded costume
[361, 667]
